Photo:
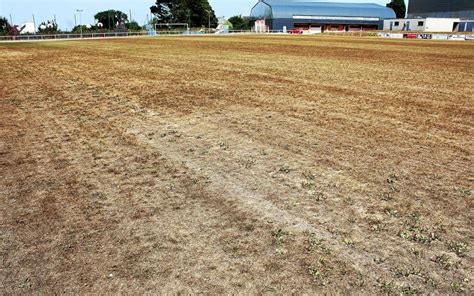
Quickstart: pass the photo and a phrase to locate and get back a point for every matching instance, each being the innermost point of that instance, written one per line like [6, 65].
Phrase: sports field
[237, 165]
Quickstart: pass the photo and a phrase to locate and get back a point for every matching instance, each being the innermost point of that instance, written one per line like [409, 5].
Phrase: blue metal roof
[273, 9]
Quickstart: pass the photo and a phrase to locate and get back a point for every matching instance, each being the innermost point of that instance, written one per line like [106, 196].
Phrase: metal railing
[65, 36]
[96, 35]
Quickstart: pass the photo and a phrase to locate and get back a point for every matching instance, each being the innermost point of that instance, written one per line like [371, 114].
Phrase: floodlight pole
[80, 20]
[209, 19]
[34, 23]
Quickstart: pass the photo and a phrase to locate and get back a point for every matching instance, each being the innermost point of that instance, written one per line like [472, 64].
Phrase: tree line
[196, 13]
[109, 20]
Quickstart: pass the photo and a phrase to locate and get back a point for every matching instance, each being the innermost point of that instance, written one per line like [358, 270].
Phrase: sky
[22, 10]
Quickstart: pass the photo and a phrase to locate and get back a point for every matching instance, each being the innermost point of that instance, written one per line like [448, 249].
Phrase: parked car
[295, 31]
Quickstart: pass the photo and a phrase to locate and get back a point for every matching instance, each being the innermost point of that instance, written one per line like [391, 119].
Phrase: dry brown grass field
[236, 165]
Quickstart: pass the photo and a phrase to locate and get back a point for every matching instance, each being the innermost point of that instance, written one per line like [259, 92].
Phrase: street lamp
[209, 17]
[80, 19]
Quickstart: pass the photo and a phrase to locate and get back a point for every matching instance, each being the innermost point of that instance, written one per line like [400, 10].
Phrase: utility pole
[11, 20]
[188, 17]
[130, 15]
[34, 23]
[80, 20]
[209, 16]
[75, 21]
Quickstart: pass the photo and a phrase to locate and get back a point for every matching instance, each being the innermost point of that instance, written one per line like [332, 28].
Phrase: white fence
[71, 36]
[227, 33]
[65, 36]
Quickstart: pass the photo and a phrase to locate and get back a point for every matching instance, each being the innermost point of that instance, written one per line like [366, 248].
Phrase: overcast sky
[22, 10]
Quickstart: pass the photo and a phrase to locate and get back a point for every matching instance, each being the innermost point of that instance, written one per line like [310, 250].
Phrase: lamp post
[209, 20]
[80, 19]
[34, 23]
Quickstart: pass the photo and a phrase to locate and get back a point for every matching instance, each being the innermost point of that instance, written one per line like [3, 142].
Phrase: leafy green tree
[48, 27]
[399, 7]
[85, 29]
[110, 19]
[240, 23]
[163, 11]
[134, 26]
[4, 26]
[196, 13]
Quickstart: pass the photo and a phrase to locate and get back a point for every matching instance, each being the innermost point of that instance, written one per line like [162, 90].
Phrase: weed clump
[313, 243]
[279, 236]
[417, 232]
[459, 248]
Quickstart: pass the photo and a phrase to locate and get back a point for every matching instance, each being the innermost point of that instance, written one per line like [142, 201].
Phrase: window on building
[397, 23]
[421, 24]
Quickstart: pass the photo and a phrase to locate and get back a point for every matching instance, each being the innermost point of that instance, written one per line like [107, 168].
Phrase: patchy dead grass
[256, 165]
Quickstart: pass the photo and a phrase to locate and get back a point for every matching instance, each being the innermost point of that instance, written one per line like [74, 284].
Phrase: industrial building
[319, 16]
[429, 25]
[463, 9]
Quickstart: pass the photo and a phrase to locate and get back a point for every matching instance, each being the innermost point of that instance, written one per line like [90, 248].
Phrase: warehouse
[463, 9]
[320, 16]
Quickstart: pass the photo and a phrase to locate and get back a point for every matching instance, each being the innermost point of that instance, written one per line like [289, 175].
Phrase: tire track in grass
[239, 190]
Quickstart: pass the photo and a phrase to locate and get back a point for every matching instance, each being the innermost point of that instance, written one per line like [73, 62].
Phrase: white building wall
[404, 24]
[420, 25]
[440, 24]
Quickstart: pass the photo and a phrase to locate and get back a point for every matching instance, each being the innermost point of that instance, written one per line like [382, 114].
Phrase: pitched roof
[289, 8]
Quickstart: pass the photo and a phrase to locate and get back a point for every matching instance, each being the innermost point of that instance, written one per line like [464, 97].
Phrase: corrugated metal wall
[439, 5]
